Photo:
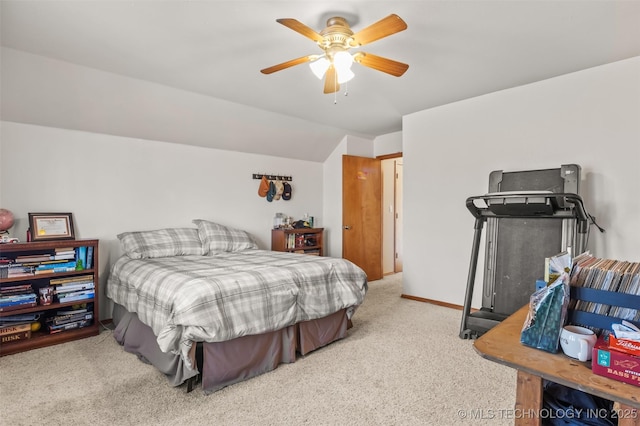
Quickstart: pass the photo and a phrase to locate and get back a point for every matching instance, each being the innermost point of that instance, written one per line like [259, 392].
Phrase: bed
[205, 303]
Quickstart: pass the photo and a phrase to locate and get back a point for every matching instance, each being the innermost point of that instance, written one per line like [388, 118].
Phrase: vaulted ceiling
[455, 50]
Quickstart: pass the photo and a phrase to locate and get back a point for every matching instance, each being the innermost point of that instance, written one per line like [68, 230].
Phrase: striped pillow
[161, 243]
[217, 238]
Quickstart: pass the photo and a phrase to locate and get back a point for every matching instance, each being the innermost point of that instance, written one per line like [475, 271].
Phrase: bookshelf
[302, 240]
[49, 333]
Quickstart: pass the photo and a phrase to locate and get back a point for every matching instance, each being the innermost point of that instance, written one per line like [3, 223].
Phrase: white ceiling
[455, 49]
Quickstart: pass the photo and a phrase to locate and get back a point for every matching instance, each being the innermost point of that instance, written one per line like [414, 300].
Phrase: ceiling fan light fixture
[334, 65]
[319, 67]
[342, 61]
[344, 75]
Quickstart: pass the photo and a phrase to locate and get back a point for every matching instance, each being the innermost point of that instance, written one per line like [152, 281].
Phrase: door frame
[395, 230]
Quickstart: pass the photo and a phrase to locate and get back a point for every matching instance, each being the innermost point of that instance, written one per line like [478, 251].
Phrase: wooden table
[502, 345]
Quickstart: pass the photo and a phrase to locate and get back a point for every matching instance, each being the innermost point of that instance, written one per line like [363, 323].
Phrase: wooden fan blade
[288, 64]
[379, 63]
[301, 28]
[331, 80]
[385, 27]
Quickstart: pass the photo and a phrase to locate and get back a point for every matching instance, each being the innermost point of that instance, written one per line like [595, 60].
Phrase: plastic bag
[546, 316]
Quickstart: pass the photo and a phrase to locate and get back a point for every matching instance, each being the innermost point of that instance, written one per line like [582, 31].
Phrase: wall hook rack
[272, 177]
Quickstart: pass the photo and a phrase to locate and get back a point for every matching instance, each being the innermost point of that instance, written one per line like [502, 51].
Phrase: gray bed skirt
[225, 363]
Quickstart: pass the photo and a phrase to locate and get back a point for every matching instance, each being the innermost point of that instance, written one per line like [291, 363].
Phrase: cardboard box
[627, 346]
[616, 365]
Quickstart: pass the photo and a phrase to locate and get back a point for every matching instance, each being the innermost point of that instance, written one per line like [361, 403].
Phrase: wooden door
[362, 214]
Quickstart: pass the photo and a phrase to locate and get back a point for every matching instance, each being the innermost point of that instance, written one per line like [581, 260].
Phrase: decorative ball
[6, 219]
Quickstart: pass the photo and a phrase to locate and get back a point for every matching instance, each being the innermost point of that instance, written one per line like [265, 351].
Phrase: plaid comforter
[232, 294]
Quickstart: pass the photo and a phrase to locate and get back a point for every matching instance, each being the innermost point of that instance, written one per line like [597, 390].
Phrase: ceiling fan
[335, 40]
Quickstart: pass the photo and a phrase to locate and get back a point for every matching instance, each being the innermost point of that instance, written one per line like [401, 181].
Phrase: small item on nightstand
[46, 295]
[298, 224]
[280, 221]
[308, 219]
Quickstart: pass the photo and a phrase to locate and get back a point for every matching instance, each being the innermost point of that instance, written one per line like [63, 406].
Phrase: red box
[627, 346]
[616, 365]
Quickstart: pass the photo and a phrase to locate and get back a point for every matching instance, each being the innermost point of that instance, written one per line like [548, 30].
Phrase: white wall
[360, 147]
[390, 143]
[332, 198]
[114, 184]
[591, 118]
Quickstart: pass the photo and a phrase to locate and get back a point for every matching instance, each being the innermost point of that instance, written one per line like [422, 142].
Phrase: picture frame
[51, 226]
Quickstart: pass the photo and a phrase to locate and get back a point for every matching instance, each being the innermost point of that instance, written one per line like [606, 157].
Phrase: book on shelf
[19, 319]
[77, 293]
[73, 297]
[65, 250]
[68, 326]
[65, 319]
[17, 307]
[72, 287]
[63, 256]
[44, 262]
[17, 270]
[75, 311]
[67, 280]
[53, 270]
[8, 290]
[59, 250]
[17, 298]
[33, 258]
[89, 263]
[14, 337]
[57, 264]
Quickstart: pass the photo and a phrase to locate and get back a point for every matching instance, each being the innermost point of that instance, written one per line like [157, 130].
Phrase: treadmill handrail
[576, 210]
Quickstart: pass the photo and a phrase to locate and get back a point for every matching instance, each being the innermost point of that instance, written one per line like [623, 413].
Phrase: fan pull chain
[335, 90]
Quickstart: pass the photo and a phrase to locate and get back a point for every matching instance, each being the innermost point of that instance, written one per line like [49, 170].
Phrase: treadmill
[530, 215]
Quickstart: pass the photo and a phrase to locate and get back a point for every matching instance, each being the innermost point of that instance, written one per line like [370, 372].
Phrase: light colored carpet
[401, 364]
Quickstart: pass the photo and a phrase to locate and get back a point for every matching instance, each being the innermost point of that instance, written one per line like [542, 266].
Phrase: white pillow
[218, 238]
[161, 243]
